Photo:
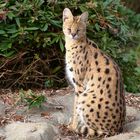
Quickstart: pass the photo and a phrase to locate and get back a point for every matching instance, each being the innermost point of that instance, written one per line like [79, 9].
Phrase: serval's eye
[69, 29]
[78, 30]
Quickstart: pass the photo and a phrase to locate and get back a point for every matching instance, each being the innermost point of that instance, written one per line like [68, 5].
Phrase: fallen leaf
[18, 118]
[45, 114]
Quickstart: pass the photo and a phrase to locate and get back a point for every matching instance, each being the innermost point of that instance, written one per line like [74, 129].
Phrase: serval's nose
[73, 34]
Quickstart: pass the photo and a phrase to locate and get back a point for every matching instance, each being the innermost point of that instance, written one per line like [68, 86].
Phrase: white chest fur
[70, 74]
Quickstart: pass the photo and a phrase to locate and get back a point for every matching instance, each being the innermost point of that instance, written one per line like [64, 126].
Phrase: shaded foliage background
[32, 42]
[133, 4]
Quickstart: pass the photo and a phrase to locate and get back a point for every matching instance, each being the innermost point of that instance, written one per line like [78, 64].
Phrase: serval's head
[74, 27]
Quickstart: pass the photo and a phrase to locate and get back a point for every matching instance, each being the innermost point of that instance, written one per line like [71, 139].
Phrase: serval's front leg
[75, 116]
[74, 119]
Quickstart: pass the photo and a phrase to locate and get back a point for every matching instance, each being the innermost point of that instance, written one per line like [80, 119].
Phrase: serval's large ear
[67, 14]
[84, 17]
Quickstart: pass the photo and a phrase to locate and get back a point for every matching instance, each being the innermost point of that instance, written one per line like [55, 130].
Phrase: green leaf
[5, 45]
[61, 45]
[39, 2]
[45, 27]
[31, 28]
[33, 95]
[9, 54]
[2, 32]
[137, 69]
[56, 69]
[29, 100]
[54, 40]
[97, 27]
[12, 30]
[110, 17]
[56, 23]
[49, 83]
[34, 100]
[3, 5]
[17, 21]
[14, 8]
[10, 15]
[14, 35]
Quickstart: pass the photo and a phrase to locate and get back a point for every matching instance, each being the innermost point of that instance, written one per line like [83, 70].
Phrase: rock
[125, 136]
[137, 137]
[36, 118]
[133, 126]
[2, 108]
[131, 111]
[2, 133]
[59, 118]
[63, 117]
[30, 131]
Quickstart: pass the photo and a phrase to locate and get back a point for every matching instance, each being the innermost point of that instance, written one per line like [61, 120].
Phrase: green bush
[32, 41]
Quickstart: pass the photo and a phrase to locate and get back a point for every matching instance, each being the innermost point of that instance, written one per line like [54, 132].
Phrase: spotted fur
[99, 107]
